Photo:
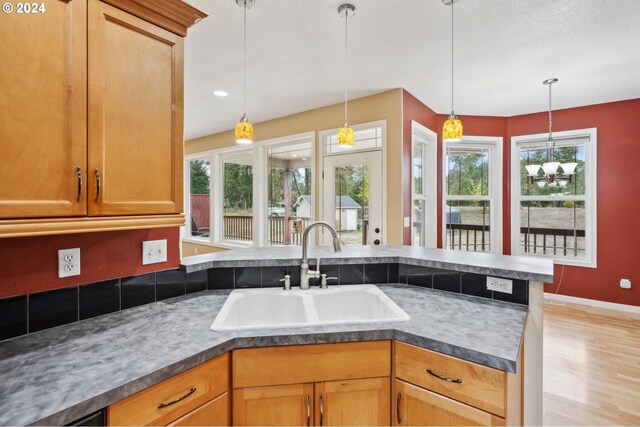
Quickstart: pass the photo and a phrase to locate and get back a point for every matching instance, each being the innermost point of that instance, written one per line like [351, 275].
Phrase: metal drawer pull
[398, 408]
[321, 410]
[189, 393]
[79, 173]
[449, 380]
[308, 411]
[97, 185]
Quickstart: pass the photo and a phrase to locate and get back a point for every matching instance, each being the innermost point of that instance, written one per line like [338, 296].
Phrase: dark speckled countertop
[513, 267]
[62, 374]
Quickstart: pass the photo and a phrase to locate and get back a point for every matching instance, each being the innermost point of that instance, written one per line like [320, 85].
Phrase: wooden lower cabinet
[415, 406]
[282, 405]
[353, 402]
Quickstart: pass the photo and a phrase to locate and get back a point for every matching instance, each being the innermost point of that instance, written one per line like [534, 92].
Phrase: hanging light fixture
[346, 137]
[452, 128]
[244, 128]
[551, 175]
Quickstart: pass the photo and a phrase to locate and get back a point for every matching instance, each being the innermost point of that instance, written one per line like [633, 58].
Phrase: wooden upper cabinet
[135, 115]
[43, 111]
[91, 116]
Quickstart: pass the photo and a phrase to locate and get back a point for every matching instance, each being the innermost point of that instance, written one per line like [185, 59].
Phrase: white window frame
[428, 139]
[186, 229]
[495, 146]
[323, 134]
[590, 196]
[260, 182]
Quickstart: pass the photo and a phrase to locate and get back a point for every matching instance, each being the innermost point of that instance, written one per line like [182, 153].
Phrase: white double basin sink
[296, 308]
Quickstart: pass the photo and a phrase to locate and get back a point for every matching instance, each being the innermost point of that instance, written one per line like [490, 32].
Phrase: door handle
[97, 185]
[308, 411]
[79, 173]
[321, 410]
[398, 407]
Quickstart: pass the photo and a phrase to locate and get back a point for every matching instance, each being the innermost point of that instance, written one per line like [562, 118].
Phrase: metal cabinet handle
[97, 185]
[308, 411]
[449, 380]
[398, 407]
[79, 173]
[189, 393]
[321, 410]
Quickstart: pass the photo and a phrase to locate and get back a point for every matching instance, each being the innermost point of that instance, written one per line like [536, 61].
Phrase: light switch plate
[154, 251]
[407, 221]
[68, 262]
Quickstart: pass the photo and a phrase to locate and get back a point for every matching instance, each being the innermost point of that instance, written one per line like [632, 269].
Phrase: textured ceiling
[503, 51]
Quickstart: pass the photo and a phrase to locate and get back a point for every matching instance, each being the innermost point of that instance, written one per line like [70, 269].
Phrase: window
[198, 198]
[289, 191]
[424, 178]
[258, 195]
[366, 137]
[550, 219]
[472, 189]
[237, 196]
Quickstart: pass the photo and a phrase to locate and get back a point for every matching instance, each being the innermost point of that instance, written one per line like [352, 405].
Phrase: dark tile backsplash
[138, 290]
[170, 283]
[53, 308]
[196, 281]
[30, 313]
[99, 298]
[13, 317]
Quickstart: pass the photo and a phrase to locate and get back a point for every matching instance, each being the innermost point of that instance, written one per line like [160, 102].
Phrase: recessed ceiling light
[294, 155]
[304, 158]
[220, 93]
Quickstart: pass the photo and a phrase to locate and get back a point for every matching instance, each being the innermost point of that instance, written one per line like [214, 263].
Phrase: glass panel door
[353, 197]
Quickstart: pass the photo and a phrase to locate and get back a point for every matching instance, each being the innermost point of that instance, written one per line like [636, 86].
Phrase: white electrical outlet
[68, 262]
[625, 283]
[154, 251]
[499, 284]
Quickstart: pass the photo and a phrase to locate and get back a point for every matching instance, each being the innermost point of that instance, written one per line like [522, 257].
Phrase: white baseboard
[592, 303]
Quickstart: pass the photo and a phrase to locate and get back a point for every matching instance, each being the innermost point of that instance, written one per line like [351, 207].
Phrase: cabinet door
[286, 405]
[43, 100]
[135, 115]
[353, 402]
[415, 406]
[213, 413]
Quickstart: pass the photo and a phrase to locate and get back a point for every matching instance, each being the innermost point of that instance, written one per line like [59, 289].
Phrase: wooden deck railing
[240, 228]
[473, 237]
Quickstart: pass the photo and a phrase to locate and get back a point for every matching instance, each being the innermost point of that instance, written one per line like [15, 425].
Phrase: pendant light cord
[452, 2]
[346, 56]
[244, 64]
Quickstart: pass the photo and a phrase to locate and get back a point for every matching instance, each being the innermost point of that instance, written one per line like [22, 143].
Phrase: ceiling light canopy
[346, 137]
[452, 128]
[244, 128]
[552, 177]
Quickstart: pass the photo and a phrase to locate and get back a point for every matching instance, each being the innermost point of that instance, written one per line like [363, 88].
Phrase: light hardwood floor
[591, 366]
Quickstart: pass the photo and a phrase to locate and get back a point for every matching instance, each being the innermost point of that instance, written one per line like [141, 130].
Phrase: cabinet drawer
[208, 380]
[213, 413]
[253, 367]
[478, 386]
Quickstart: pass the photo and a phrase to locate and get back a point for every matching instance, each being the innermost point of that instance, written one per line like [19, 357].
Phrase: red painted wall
[618, 125]
[30, 264]
[412, 109]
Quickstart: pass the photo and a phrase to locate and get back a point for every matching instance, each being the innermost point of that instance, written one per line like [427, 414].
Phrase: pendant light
[346, 137]
[244, 128]
[452, 128]
[551, 176]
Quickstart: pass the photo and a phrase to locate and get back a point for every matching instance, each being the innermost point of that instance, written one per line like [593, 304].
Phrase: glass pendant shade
[569, 168]
[541, 184]
[532, 170]
[346, 137]
[244, 131]
[452, 129]
[550, 168]
[562, 183]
